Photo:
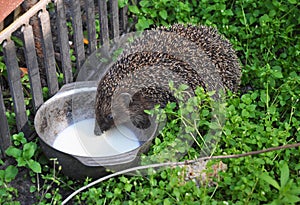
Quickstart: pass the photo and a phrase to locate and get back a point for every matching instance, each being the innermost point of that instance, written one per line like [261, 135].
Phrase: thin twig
[253, 152]
[177, 164]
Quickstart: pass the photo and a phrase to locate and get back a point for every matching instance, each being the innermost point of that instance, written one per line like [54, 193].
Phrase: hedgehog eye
[110, 117]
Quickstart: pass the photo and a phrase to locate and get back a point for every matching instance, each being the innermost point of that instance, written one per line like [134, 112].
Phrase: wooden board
[48, 51]
[15, 85]
[4, 129]
[32, 66]
[63, 40]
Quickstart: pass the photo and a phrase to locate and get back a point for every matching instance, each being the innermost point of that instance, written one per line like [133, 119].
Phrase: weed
[265, 114]
[23, 152]
[7, 192]
[288, 190]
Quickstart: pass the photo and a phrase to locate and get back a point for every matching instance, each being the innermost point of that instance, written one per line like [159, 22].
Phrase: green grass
[265, 113]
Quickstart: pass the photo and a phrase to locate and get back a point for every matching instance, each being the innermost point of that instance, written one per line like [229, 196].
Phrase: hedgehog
[129, 95]
[217, 47]
[139, 79]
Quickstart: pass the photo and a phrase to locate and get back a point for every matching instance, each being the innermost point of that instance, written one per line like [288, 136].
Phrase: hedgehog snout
[104, 127]
[103, 123]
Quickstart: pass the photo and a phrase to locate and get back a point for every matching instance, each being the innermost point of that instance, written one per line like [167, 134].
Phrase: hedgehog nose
[97, 130]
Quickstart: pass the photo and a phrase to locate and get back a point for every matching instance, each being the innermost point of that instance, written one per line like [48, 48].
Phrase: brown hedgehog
[143, 83]
[216, 47]
[140, 77]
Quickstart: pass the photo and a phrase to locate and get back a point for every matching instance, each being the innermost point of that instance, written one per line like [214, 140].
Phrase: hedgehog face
[122, 109]
[104, 118]
[112, 111]
[106, 122]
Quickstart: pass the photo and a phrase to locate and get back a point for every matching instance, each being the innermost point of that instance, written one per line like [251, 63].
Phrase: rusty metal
[6, 7]
[22, 20]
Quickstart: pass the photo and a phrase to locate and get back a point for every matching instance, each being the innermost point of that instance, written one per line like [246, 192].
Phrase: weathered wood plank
[90, 13]
[63, 40]
[78, 33]
[5, 141]
[32, 65]
[114, 18]
[15, 85]
[48, 51]
[104, 36]
[124, 19]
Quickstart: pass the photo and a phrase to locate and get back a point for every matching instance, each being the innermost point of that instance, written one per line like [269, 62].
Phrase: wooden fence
[113, 21]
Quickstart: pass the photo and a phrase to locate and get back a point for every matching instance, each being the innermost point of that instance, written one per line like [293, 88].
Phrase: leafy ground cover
[264, 113]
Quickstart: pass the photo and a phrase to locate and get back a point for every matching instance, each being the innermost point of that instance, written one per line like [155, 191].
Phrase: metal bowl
[73, 103]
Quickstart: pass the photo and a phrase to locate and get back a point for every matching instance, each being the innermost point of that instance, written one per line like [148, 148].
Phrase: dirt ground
[22, 183]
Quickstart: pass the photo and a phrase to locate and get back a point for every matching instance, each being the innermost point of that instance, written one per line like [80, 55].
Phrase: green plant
[49, 191]
[11, 118]
[165, 187]
[264, 114]
[288, 190]
[7, 192]
[160, 12]
[2, 65]
[23, 152]
[187, 122]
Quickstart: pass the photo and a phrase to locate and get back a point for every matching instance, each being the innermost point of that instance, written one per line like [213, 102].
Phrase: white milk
[79, 139]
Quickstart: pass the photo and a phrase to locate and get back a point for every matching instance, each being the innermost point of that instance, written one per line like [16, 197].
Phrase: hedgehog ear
[126, 97]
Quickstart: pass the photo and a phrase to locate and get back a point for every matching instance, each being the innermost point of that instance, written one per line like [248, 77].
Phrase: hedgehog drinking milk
[139, 79]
